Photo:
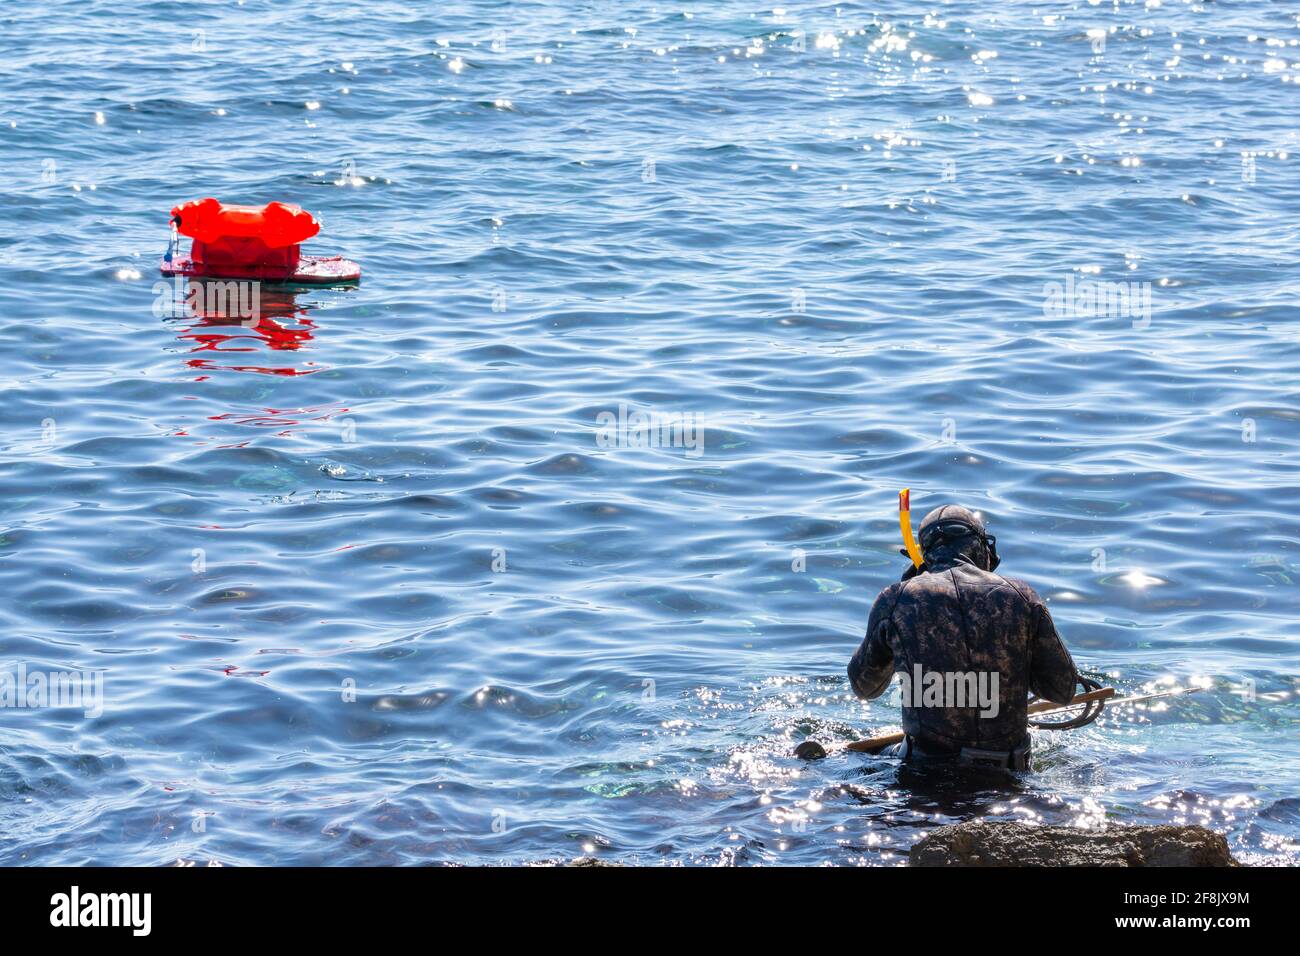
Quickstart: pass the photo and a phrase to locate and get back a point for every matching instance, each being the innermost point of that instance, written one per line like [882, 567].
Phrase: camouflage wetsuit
[957, 616]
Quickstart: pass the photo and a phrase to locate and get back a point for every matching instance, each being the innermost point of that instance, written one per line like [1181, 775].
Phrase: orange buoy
[251, 242]
[275, 224]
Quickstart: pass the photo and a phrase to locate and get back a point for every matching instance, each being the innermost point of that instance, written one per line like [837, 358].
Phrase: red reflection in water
[275, 323]
[278, 417]
[230, 670]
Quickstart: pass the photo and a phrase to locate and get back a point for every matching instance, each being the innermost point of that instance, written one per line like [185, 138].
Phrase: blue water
[830, 234]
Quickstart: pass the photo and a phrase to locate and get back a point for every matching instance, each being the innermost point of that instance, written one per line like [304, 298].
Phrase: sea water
[553, 536]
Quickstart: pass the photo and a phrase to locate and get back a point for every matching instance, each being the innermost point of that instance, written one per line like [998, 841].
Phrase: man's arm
[872, 666]
[1051, 668]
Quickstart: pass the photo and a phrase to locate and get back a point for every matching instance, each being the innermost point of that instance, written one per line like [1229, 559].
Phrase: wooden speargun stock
[872, 744]
[875, 744]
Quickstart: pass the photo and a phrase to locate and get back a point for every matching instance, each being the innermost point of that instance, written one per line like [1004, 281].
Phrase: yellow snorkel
[905, 525]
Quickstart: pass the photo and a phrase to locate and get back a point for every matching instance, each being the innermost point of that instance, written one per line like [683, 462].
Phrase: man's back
[981, 633]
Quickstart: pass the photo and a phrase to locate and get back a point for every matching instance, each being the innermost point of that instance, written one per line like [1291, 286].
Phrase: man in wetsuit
[969, 646]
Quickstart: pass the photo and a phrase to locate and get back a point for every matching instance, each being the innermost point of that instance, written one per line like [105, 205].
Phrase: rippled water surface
[364, 579]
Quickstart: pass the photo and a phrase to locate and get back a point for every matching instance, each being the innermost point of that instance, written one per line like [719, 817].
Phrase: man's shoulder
[971, 576]
[918, 586]
[890, 592]
[1021, 587]
[911, 588]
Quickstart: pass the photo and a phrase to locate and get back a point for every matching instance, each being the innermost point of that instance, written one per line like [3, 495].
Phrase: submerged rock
[984, 843]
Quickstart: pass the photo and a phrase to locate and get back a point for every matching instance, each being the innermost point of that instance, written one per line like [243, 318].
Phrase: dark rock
[984, 843]
[590, 861]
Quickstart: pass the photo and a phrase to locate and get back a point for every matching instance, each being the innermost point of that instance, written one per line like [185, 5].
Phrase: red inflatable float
[251, 242]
